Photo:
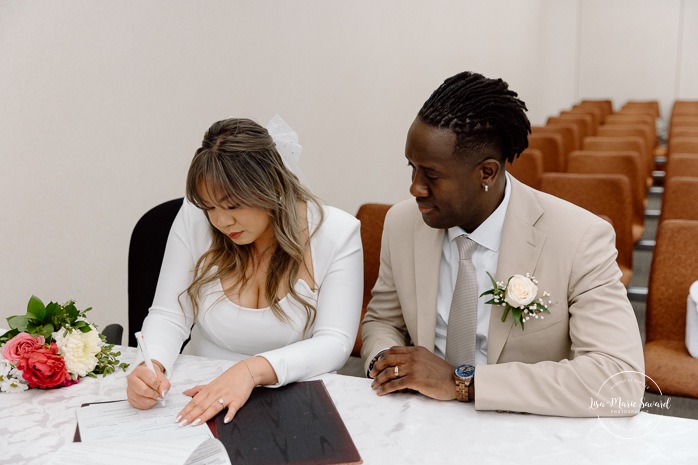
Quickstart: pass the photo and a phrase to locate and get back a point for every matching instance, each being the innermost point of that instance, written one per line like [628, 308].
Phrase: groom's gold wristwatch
[463, 376]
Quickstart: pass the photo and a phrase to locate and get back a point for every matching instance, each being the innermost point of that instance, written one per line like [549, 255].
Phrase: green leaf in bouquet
[36, 308]
[8, 335]
[36, 329]
[82, 326]
[18, 322]
[47, 331]
[54, 314]
[71, 311]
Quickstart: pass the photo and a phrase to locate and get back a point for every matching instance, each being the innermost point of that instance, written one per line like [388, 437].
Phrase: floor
[642, 259]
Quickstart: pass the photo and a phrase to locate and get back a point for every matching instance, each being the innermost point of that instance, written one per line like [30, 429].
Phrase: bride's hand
[230, 390]
[144, 388]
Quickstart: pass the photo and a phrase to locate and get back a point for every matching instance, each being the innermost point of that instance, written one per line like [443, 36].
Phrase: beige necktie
[462, 319]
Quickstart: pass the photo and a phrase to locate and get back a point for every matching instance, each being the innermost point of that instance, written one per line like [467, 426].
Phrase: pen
[146, 357]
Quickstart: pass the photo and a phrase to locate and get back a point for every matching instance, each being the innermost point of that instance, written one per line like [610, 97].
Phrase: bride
[267, 276]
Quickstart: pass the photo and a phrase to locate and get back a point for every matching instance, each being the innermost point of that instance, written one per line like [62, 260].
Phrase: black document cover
[294, 424]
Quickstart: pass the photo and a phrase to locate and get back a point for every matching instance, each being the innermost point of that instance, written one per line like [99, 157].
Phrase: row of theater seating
[605, 161]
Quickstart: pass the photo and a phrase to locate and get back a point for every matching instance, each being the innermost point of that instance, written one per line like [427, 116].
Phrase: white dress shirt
[488, 237]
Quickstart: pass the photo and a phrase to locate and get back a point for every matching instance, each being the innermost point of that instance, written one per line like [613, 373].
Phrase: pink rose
[44, 368]
[21, 344]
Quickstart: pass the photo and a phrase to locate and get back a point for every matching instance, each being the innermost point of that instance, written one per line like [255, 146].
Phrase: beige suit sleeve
[606, 355]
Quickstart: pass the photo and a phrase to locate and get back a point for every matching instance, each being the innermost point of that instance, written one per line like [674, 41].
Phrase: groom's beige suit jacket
[557, 364]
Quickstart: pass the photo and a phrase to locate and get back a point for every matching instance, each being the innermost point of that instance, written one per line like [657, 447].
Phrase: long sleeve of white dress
[225, 330]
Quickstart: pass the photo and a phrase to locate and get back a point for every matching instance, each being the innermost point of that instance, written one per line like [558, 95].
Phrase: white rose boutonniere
[519, 295]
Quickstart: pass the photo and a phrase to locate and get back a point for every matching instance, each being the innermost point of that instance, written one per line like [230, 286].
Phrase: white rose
[520, 291]
[79, 350]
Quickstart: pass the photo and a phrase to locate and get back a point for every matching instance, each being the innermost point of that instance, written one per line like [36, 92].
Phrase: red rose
[21, 344]
[44, 368]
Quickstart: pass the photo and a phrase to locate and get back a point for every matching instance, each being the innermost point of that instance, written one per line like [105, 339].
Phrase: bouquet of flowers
[519, 295]
[52, 346]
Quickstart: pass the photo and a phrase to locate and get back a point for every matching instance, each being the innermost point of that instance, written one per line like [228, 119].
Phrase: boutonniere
[52, 346]
[519, 295]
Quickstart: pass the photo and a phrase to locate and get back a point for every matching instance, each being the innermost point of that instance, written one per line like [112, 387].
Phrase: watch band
[374, 360]
[462, 394]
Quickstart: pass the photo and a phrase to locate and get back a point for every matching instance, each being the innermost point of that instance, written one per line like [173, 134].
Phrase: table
[404, 428]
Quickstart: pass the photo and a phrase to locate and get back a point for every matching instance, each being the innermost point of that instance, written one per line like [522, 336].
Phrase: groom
[413, 338]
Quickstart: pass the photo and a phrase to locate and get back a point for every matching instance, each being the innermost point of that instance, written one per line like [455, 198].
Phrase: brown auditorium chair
[682, 164]
[651, 106]
[685, 108]
[674, 268]
[624, 163]
[622, 130]
[683, 121]
[584, 119]
[528, 167]
[630, 118]
[683, 145]
[684, 131]
[618, 119]
[638, 111]
[550, 146]
[604, 195]
[680, 199]
[623, 144]
[595, 113]
[606, 105]
[569, 138]
[372, 217]
[568, 127]
[582, 128]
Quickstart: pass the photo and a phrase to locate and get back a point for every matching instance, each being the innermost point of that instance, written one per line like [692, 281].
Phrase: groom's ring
[221, 401]
[397, 371]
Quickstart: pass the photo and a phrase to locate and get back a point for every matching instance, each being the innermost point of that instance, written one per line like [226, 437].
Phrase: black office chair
[145, 253]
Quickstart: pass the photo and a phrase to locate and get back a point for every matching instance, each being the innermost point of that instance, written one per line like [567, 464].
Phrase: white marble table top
[403, 428]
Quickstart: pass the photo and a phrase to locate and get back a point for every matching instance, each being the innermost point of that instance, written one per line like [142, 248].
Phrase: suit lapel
[427, 257]
[520, 249]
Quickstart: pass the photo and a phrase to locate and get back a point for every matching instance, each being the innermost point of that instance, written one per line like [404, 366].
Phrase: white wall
[629, 50]
[102, 104]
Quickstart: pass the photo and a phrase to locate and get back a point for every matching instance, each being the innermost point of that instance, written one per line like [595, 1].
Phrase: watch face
[465, 371]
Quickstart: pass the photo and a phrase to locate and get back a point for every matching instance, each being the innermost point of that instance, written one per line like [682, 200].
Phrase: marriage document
[117, 433]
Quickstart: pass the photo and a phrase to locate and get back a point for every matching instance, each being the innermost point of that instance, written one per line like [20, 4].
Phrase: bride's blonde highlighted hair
[238, 161]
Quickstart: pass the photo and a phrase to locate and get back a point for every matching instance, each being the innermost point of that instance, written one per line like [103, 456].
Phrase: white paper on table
[119, 421]
[692, 321]
[194, 450]
[117, 433]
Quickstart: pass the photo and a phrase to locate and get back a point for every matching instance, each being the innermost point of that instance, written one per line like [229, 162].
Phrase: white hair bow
[287, 145]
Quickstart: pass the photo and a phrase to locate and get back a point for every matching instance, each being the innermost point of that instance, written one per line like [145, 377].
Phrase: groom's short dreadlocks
[481, 112]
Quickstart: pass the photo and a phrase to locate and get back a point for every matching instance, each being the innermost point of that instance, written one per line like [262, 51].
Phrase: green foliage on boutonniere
[519, 295]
